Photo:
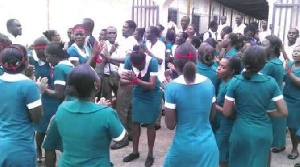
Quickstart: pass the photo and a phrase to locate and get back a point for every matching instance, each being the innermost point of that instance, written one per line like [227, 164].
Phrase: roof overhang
[256, 8]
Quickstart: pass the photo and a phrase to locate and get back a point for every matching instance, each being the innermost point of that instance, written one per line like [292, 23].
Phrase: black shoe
[119, 145]
[149, 161]
[144, 125]
[131, 157]
[157, 127]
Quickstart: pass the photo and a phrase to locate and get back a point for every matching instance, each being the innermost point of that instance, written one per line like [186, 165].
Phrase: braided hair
[13, 59]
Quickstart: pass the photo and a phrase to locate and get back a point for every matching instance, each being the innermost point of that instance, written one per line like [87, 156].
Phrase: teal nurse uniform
[86, 130]
[19, 94]
[223, 132]
[50, 104]
[274, 68]
[76, 54]
[291, 93]
[194, 143]
[145, 103]
[231, 53]
[210, 72]
[251, 137]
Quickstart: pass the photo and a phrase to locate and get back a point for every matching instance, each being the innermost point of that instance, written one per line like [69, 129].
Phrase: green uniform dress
[291, 93]
[231, 52]
[145, 103]
[223, 132]
[251, 137]
[86, 130]
[274, 68]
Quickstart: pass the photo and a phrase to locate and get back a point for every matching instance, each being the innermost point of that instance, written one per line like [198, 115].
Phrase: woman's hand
[29, 72]
[171, 66]
[42, 83]
[102, 101]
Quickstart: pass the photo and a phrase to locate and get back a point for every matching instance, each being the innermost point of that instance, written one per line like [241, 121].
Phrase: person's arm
[170, 106]
[229, 100]
[293, 77]
[281, 109]
[58, 91]
[212, 111]
[34, 103]
[115, 128]
[160, 60]
[285, 56]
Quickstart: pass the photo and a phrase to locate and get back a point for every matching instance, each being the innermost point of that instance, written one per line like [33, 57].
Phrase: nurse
[142, 72]
[86, 128]
[189, 99]
[274, 69]
[50, 104]
[21, 107]
[251, 137]
[291, 93]
[79, 51]
[227, 69]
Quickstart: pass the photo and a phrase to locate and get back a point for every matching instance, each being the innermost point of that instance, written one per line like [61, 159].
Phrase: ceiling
[255, 8]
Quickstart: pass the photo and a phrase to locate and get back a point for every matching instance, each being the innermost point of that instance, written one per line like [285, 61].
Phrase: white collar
[13, 77]
[144, 71]
[66, 62]
[82, 54]
[199, 79]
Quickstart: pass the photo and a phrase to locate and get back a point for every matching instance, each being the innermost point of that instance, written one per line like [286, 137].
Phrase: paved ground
[163, 140]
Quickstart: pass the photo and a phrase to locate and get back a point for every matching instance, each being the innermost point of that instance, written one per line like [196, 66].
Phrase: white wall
[64, 14]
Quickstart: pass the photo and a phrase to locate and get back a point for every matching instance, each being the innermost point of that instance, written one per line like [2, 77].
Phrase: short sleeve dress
[291, 93]
[145, 103]
[86, 130]
[61, 71]
[194, 143]
[251, 137]
[209, 72]
[76, 54]
[274, 68]
[225, 125]
[50, 104]
[19, 94]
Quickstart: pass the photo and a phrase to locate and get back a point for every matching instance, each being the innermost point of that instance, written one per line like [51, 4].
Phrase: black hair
[89, 24]
[254, 59]
[234, 64]
[213, 24]
[185, 64]
[162, 28]
[249, 28]
[206, 54]
[131, 24]
[13, 58]
[194, 27]
[170, 35]
[154, 30]
[195, 41]
[212, 42]
[137, 56]
[9, 22]
[104, 29]
[57, 48]
[49, 34]
[83, 79]
[140, 31]
[184, 35]
[4, 41]
[188, 18]
[227, 30]
[234, 40]
[276, 43]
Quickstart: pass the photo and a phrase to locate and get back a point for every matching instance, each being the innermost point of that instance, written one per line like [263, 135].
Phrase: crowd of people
[230, 93]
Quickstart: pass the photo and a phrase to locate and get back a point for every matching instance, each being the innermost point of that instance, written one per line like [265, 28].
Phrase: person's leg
[294, 153]
[269, 159]
[39, 138]
[136, 132]
[158, 120]
[50, 158]
[151, 134]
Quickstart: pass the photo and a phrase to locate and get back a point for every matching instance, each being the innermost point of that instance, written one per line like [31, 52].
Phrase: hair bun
[136, 48]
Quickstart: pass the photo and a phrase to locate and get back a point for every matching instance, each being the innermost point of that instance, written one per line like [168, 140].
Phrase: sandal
[277, 149]
[293, 156]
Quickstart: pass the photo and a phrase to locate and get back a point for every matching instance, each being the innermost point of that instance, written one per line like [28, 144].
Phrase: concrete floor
[164, 138]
